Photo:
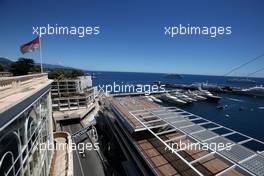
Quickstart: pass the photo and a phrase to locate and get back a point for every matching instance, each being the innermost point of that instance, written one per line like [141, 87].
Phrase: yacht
[208, 95]
[242, 80]
[210, 86]
[194, 95]
[172, 99]
[255, 91]
[155, 99]
[184, 97]
[173, 76]
[149, 98]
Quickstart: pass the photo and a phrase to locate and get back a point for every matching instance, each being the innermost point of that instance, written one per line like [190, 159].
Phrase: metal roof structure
[203, 132]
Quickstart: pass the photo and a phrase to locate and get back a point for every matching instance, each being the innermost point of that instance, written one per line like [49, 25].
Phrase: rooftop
[72, 114]
[78, 78]
[170, 125]
[125, 104]
[16, 89]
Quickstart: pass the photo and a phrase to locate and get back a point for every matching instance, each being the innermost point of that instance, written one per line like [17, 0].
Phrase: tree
[62, 73]
[57, 74]
[35, 69]
[22, 66]
[1, 68]
[76, 73]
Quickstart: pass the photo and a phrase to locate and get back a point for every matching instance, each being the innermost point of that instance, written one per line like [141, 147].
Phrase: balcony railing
[7, 81]
[10, 85]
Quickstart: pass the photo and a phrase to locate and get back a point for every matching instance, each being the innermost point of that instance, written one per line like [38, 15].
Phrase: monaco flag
[30, 46]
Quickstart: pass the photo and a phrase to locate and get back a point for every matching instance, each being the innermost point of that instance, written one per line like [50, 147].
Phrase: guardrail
[11, 85]
[7, 81]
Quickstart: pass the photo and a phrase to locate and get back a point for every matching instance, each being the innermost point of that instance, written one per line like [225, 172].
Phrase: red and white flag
[30, 46]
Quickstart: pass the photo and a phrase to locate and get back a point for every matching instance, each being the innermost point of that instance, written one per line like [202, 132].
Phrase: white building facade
[25, 125]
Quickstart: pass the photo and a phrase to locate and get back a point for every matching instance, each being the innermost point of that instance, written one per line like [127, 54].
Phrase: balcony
[62, 161]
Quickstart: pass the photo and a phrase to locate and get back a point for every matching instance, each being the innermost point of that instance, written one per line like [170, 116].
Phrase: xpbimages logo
[185, 30]
[130, 88]
[79, 31]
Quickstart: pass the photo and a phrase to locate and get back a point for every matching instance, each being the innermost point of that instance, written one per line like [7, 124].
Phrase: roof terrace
[18, 93]
[15, 89]
[171, 125]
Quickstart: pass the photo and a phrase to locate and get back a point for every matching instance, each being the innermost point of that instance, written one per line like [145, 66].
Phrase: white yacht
[172, 99]
[184, 97]
[193, 94]
[255, 91]
[155, 99]
[208, 95]
[149, 98]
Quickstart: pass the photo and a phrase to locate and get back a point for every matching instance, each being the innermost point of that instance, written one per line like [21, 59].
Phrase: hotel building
[25, 125]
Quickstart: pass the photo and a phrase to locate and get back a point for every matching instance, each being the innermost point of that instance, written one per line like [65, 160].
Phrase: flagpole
[40, 55]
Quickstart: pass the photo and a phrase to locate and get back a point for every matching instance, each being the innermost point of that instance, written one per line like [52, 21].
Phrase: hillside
[7, 63]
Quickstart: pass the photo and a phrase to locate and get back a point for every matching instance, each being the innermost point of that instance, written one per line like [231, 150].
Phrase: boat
[254, 91]
[155, 99]
[205, 86]
[172, 99]
[194, 95]
[184, 97]
[208, 95]
[194, 86]
[241, 80]
[221, 107]
[199, 97]
[150, 99]
[174, 76]
[210, 86]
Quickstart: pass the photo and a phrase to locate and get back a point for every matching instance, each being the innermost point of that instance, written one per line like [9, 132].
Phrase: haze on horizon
[132, 35]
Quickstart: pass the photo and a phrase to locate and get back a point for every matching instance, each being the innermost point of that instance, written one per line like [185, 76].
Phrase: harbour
[244, 113]
[150, 126]
[132, 88]
[142, 128]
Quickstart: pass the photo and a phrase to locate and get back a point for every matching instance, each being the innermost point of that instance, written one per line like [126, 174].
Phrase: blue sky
[132, 34]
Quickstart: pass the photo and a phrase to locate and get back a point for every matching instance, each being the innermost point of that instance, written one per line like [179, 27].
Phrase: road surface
[90, 165]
